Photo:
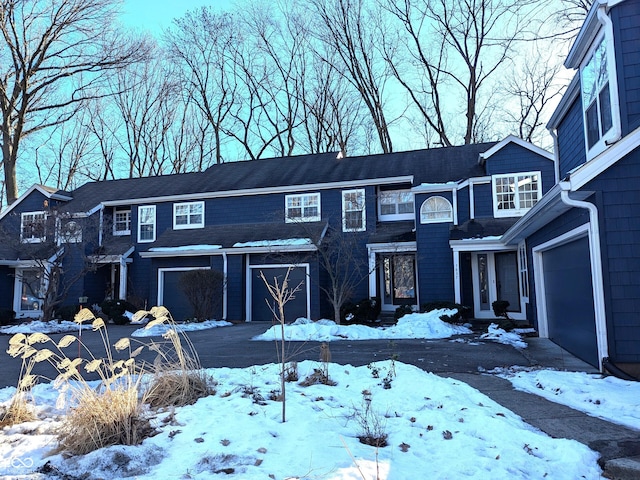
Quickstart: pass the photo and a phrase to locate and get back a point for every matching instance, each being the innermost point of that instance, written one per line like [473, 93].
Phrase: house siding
[626, 18]
[514, 158]
[620, 223]
[483, 200]
[6, 287]
[571, 146]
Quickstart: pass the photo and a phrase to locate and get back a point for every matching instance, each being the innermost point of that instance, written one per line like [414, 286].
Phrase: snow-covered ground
[53, 326]
[437, 428]
[158, 330]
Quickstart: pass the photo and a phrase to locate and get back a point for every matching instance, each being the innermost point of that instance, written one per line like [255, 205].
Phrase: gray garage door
[569, 299]
[294, 309]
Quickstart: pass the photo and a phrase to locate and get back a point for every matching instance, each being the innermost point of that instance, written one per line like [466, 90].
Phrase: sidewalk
[619, 447]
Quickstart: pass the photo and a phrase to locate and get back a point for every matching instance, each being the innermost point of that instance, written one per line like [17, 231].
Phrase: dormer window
[302, 208]
[515, 194]
[32, 227]
[597, 96]
[395, 205]
[596, 101]
[122, 222]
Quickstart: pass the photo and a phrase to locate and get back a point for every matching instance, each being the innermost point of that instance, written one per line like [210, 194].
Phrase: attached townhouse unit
[424, 224]
[583, 237]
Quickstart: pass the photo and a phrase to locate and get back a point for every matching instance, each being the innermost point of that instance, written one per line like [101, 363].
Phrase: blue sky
[154, 15]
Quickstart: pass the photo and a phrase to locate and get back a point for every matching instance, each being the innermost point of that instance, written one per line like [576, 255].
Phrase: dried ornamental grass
[103, 418]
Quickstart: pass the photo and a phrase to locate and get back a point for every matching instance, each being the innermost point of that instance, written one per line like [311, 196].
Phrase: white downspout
[597, 281]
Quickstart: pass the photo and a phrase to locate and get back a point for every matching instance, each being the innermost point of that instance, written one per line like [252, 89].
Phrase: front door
[397, 280]
[495, 277]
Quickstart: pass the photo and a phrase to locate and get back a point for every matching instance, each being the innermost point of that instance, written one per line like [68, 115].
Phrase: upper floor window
[146, 223]
[514, 194]
[353, 211]
[71, 232]
[33, 227]
[302, 207]
[122, 222]
[436, 209]
[395, 205]
[596, 96]
[188, 215]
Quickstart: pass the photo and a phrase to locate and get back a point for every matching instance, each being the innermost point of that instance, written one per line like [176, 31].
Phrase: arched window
[436, 209]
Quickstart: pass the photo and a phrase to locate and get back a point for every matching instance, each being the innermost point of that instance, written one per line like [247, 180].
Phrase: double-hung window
[33, 227]
[122, 222]
[188, 215]
[596, 97]
[353, 211]
[146, 223]
[302, 207]
[515, 194]
[395, 205]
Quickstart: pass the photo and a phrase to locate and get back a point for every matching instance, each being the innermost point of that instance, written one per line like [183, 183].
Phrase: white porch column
[122, 292]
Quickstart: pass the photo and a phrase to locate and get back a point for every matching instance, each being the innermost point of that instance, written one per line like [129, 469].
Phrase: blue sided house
[406, 228]
[582, 239]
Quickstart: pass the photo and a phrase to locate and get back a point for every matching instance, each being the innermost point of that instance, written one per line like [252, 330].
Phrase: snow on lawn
[35, 326]
[160, 329]
[437, 428]
[414, 325]
[614, 400]
[501, 336]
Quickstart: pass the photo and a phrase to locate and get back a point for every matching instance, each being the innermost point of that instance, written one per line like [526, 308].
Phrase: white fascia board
[586, 35]
[435, 187]
[483, 157]
[486, 244]
[263, 191]
[228, 251]
[609, 157]
[392, 247]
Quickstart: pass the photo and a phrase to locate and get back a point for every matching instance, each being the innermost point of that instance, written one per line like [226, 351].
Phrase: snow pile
[501, 336]
[615, 400]
[414, 325]
[38, 326]
[161, 329]
[437, 426]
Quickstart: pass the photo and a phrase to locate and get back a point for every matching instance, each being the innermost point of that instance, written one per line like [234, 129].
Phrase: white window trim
[363, 212]
[188, 225]
[613, 133]
[65, 236]
[17, 300]
[424, 221]
[32, 239]
[514, 212]
[395, 216]
[140, 240]
[302, 218]
[121, 232]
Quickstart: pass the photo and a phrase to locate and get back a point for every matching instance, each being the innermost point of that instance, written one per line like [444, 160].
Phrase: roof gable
[48, 192]
[483, 157]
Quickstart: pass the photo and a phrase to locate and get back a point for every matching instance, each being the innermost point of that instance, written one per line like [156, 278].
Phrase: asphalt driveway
[233, 347]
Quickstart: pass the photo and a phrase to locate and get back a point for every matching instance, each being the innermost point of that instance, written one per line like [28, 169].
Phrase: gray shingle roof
[436, 165]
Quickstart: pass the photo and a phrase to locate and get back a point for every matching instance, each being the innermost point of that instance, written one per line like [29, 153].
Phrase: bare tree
[203, 45]
[54, 55]
[532, 85]
[351, 31]
[454, 51]
[48, 243]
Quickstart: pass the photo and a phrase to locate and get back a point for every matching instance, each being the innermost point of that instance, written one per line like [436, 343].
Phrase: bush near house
[402, 310]
[463, 312]
[203, 289]
[114, 309]
[364, 312]
[67, 312]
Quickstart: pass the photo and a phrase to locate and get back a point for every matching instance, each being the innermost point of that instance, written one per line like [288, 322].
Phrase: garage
[295, 308]
[171, 296]
[568, 293]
